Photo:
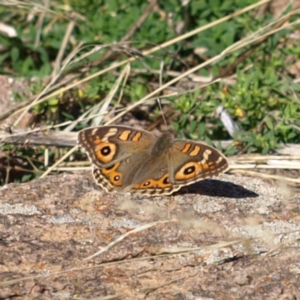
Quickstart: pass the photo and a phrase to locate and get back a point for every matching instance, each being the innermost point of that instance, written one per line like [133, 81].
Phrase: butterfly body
[129, 160]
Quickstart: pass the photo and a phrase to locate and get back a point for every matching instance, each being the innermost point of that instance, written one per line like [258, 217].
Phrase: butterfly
[125, 159]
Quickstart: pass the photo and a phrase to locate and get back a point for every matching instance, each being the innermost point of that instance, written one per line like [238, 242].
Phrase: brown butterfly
[136, 161]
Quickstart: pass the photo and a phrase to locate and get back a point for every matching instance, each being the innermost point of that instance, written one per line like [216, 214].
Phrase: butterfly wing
[180, 164]
[116, 153]
[191, 161]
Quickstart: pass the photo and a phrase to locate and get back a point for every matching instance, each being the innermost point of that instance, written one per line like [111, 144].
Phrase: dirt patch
[231, 238]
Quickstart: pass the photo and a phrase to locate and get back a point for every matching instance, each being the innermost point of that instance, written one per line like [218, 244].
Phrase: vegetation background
[86, 63]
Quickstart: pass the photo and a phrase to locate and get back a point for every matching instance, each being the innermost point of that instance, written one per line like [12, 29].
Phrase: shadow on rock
[217, 188]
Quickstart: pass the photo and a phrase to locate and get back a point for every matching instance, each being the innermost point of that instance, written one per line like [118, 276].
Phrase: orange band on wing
[195, 151]
[161, 183]
[124, 136]
[186, 148]
[115, 177]
[191, 169]
[137, 137]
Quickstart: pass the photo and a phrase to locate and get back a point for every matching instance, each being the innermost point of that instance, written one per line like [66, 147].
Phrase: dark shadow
[213, 187]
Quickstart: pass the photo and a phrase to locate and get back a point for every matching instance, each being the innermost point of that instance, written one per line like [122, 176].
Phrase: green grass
[253, 57]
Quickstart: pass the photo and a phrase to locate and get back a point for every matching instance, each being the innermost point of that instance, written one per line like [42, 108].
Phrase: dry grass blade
[123, 236]
[59, 58]
[59, 161]
[28, 5]
[254, 158]
[98, 111]
[122, 78]
[280, 168]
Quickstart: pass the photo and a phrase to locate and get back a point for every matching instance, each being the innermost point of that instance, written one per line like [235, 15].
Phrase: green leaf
[15, 54]
[201, 129]
[269, 123]
[26, 177]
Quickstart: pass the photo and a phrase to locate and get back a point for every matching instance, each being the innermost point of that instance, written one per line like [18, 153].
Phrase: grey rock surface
[228, 238]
